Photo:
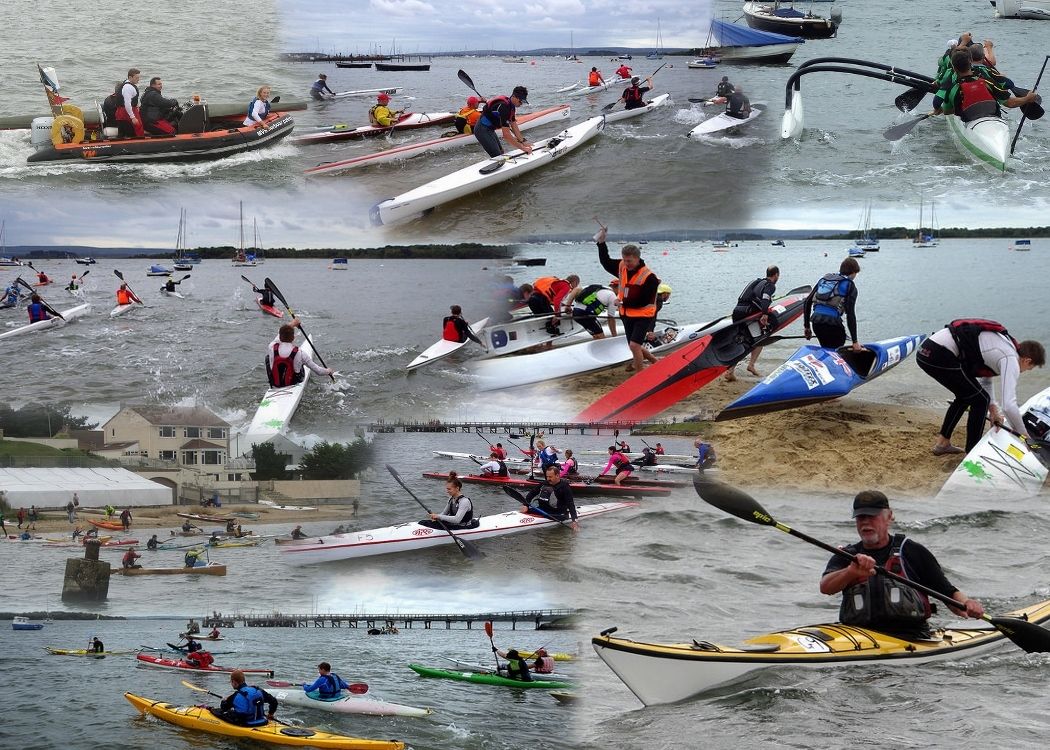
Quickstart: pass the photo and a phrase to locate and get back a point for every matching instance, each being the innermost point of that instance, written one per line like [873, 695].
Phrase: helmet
[472, 101]
[663, 289]
[383, 97]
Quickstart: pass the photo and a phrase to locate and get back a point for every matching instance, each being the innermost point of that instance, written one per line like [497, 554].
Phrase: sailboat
[572, 50]
[868, 241]
[922, 239]
[184, 261]
[259, 259]
[658, 53]
[6, 262]
[241, 258]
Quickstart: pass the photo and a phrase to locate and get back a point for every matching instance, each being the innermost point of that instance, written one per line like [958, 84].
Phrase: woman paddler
[458, 512]
[620, 462]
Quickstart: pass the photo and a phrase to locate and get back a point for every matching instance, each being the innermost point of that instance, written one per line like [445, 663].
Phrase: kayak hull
[70, 315]
[627, 114]
[179, 665]
[269, 309]
[443, 348]
[276, 409]
[722, 122]
[486, 678]
[667, 673]
[986, 140]
[578, 488]
[211, 569]
[110, 525]
[119, 310]
[345, 704]
[83, 652]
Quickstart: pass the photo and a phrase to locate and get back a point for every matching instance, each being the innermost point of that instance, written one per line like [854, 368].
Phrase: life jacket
[631, 286]
[977, 100]
[42, 278]
[623, 71]
[37, 312]
[129, 559]
[633, 97]
[249, 706]
[547, 458]
[545, 286]
[169, 285]
[251, 107]
[487, 119]
[544, 664]
[466, 118]
[281, 370]
[593, 79]
[648, 457]
[330, 688]
[749, 297]
[502, 469]
[620, 461]
[453, 507]
[570, 466]
[705, 455]
[830, 295]
[199, 658]
[450, 331]
[373, 119]
[881, 602]
[966, 333]
[588, 298]
[123, 297]
[518, 669]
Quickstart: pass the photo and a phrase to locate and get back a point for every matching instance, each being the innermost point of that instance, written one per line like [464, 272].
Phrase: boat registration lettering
[811, 644]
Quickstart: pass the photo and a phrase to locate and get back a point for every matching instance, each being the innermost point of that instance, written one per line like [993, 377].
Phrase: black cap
[870, 503]
[521, 93]
[725, 78]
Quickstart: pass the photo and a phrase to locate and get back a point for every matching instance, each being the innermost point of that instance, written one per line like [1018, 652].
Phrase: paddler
[297, 532]
[623, 71]
[500, 451]
[660, 449]
[258, 108]
[648, 457]
[97, 646]
[42, 279]
[873, 601]
[191, 558]
[125, 518]
[553, 498]
[633, 97]
[170, 284]
[636, 296]
[12, 295]
[459, 510]
[328, 684]
[724, 88]
[594, 78]
[380, 115]
[128, 561]
[544, 663]
[964, 356]
[128, 116]
[738, 105]
[125, 296]
[570, 467]
[587, 303]
[833, 296]
[622, 464]
[285, 361]
[152, 543]
[214, 634]
[468, 116]
[494, 467]
[755, 300]
[546, 454]
[37, 310]
[972, 97]
[454, 327]
[320, 87]
[200, 659]
[160, 115]
[516, 668]
[500, 113]
[268, 298]
[188, 527]
[74, 284]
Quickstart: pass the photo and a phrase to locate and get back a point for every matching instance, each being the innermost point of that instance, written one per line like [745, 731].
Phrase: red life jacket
[966, 334]
[281, 370]
[451, 331]
[632, 96]
[977, 100]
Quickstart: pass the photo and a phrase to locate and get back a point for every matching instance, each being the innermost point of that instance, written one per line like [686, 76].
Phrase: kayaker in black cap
[725, 88]
[500, 113]
[875, 601]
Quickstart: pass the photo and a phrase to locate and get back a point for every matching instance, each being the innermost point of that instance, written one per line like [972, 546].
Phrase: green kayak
[485, 678]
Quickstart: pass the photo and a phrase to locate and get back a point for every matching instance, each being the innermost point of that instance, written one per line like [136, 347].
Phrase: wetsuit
[826, 314]
[497, 113]
[152, 544]
[458, 514]
[637, 295]
[267, 296]
[738, 106]
[554, 500]
[755, 298]
[318, 89]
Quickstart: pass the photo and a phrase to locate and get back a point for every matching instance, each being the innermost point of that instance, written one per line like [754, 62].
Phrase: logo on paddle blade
[760, 516]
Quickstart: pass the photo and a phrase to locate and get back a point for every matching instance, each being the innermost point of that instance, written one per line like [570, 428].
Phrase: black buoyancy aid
[281, 370]
[331, 689]
[966, 333]
[830, 295]
[749, 296]
[882, 603]
[633, 97]
[453, 508]
[588, 298]
[120, 93]
[503, 472]
[488, 119]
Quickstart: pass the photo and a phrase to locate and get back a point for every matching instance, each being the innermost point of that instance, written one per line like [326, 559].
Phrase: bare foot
[730, 376]
[753, 371]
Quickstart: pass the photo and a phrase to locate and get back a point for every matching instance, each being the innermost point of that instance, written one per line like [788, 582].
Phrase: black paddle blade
[899, 131]
[247, 279]
[1033, 110]
[118, 274]
[1029, 637]
[733, 501]
[276, 292]
[465, 78]
[910, 99]
[493, 167]
[22, 281]
[511, 492]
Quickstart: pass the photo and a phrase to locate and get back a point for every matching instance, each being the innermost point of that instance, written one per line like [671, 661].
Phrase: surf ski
[408, 537]
[626, 114]
[53, 322]
[367, 92]
[525, 333]
[292, 694]
[343, 132]
[723, 121]
[445, 143]
[277, 408]
[481, 175]
[123, 309]
[639, 489]
[443, 348]
[612, 82]
[814, 374]
[679, 374]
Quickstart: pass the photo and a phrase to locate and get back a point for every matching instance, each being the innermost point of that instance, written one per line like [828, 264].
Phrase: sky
[357, 26]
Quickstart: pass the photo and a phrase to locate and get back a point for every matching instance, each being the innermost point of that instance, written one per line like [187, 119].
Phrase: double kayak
[814, 374]
[443, 348]
[408, 537]
[211, 569]
[276, 408]
[666, 673]
[486, 678]
[181, 665]
[690, 368]
[482, 175]
[42, 325]
[634, 489]
[445, 143]
[721, 122]
[290, 694]
[407, 121]
[202, 719]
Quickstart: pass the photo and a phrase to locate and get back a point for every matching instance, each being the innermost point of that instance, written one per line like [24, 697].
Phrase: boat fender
[40, 131]
[67, 129]
[74, 110]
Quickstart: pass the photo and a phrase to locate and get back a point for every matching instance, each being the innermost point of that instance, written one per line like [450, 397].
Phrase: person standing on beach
[755, 299]
[21, 516]
[125, 518]
[833, 298]
[32, 517]
[636, 297]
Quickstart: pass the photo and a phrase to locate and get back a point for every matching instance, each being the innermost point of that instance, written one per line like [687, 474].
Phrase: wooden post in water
[86, 580]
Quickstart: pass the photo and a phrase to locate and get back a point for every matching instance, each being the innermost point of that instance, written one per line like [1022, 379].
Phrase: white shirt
[492, 467]
[257, 113]
[128, 91]
[302, 357]
[606, 297]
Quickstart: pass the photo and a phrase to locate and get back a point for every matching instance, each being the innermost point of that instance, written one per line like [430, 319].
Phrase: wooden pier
[541, 619]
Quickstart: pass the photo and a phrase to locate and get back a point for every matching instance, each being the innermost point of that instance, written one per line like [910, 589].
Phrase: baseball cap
[383, 97]
[522, 93]
[870, 503]
[472, 101]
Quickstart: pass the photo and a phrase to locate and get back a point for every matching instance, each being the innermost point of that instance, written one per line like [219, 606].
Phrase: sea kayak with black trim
[291, 694]
[660, 673]
[487, 678]
[342, 132]
[632, 489]
[202, 719]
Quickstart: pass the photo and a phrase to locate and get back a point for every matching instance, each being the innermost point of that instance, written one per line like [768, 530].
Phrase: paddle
[1031, 442]
[1028, 636]
[470, 83]
[47, 307]
[120, 276]
[277, 293]
[191, 686]
[468, 549]
[488, 632]
[899, 131]
[1024, 110]
[511, 492]
[357, 688]
[910, 99]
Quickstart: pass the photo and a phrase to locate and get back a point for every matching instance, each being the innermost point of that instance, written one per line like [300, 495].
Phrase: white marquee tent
[95, 488]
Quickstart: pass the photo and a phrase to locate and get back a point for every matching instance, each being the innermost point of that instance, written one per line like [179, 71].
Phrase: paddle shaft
[514, 494]
[47, 307]
[277, 293]
[1028, 440]
[488, 632]
[1024, 116]
[465, 547]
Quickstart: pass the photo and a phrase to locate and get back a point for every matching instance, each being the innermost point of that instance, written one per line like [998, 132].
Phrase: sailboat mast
[242, 225]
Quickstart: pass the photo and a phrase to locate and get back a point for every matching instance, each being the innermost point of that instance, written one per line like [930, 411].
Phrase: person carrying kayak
[468, 116]
[285, 361]
[258, 108]
[724, 88]
[873, 601]
[328, 684]
[833, 296]
[458, 512]
[587, 303]
[594, 78]
[570, 467]
[547, 296]
[152, 543]
[553, 498]
[320, 87]
[42, 279]
[454, 327]
[623, 71]
[37, 310]
[128, 561]
[160, 115]
[96, 646]
[516, 668]
[125, 296]
[624, 467]
[380, 115]
[494, 467]
[636, 297]
[500, 113]
[755, 299]
[634, 96]
[964, 356]
[705, 454]
[738, 105]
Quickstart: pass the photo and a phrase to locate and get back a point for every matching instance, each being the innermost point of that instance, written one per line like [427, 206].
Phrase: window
[167, 455]
[213, 457]
[189, 458]
[192, 432]
[167, 432]
[217, 432]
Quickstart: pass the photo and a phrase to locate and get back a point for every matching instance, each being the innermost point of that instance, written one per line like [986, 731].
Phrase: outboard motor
[194, 119]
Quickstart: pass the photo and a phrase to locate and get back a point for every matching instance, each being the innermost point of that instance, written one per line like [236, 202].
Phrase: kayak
[491, 668]
[443, 348]
[343, 132]
[183, 649]
[211, 569]
[721, 122]
[986, 140]
[181, 665]
[198, 637]
[41, 325]
[277, 408]
[228, 543]
[367, 92]
[208, 519]
[564, 697]
[290, 694]
[276, 733]
[269, 309]
[481, 175]
[122, 309]
[578, 488]
[111, 525]
[524, 333]
[685, 371]
[557, 656]
[525, 122]
[638, 455]
[563, 362]
[626, 114]
[408, 537]
[814, 374]
[667, 673]
[83, 652]
[478, 457]
[486, 678]
[601, 86]
[1001, 465]
[176, 295]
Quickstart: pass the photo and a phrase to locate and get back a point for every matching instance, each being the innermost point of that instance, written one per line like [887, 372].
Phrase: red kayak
[269, 309]
[686, 370]
[184, 666]
[578, 488]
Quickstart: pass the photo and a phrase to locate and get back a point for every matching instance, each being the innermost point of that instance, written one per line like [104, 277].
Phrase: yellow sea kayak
[83, 652]
[195, 717]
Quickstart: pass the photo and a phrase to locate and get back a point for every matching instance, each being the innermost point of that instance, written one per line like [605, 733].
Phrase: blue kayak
[814, 374]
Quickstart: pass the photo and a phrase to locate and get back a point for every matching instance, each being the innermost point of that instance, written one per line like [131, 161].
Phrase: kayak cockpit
[863, 362]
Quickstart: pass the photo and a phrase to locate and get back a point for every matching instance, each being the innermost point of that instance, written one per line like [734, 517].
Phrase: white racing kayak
[510, 460]
[276, 409]
[567, 361]
[985, 140]
[123, 309]
[478, 176]
[408, 150]
[70, 315]
[443, 348]
[638, 454]
[523, 333]
[346, 703]
[343, 132]
[176, 295]
[721, 122]
[611, 83]
[626, 114]
[367, 92]
[408, 537]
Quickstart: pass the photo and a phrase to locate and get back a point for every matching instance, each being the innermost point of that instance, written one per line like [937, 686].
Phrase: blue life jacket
[248, 706]
[829, 299]
[36, 312]
[330, 689]
[251, 107]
